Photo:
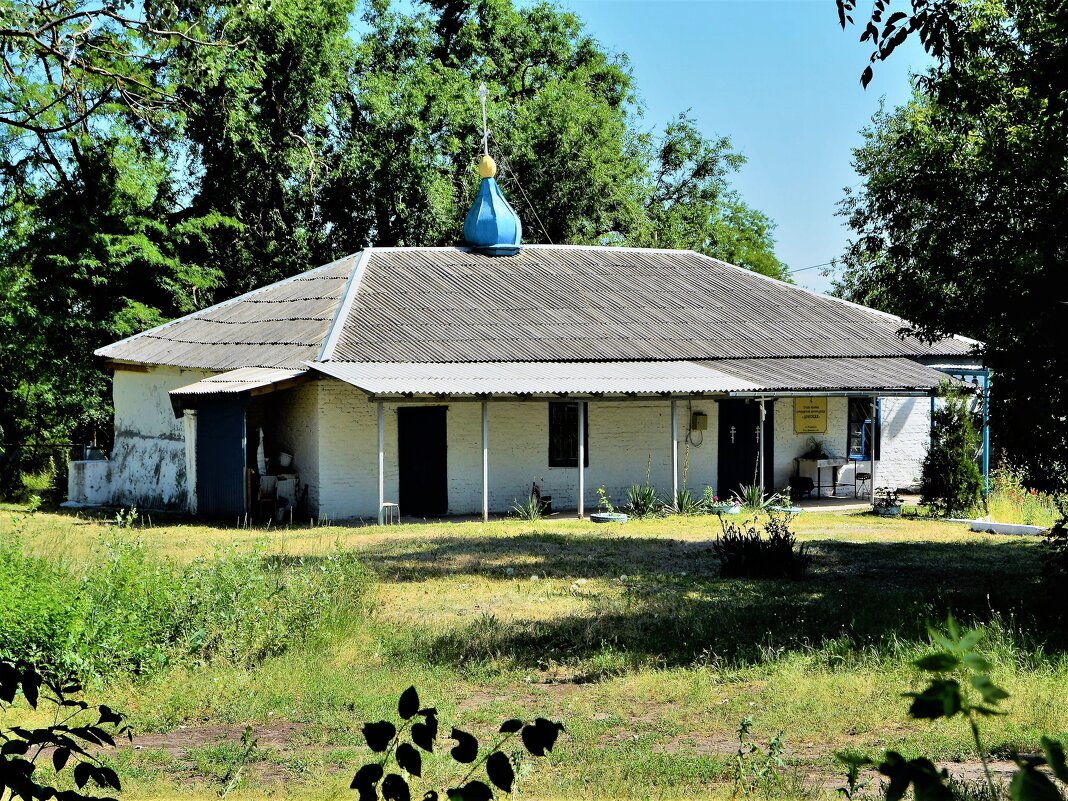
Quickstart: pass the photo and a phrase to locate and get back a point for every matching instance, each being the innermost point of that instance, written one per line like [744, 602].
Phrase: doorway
[738, 438]
[422, 460]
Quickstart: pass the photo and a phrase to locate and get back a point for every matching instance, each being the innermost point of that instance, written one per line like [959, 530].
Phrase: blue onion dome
[492, 226]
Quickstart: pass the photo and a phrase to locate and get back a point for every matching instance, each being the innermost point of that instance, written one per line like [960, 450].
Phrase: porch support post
[381, 461]
[582, 458]
[875, 442]
[674, 451]
[760, 445]
[485, 461]
[986, 432]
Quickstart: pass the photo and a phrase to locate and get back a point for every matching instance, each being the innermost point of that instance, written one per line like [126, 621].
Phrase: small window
[861, 432]
[563, 435]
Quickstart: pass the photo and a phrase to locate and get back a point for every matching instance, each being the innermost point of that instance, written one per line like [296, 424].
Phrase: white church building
[450, 380]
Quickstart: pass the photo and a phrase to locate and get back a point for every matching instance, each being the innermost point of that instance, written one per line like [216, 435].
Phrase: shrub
[744, 552]
[133, 613]
[951, 482]
[530, 509]
[686, 504]
[642, 500]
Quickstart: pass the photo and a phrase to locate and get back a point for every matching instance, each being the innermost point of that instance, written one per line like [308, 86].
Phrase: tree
[69, 68]
[94, 262]
[258, 132]
[959, 223]
[564, 127]
[951, 482]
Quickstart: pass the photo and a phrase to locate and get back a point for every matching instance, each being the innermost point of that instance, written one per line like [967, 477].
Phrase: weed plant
[1010, 501]
[128, 612]
[746, 553]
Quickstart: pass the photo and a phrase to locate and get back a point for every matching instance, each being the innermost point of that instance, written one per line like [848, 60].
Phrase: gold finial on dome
[487, 167]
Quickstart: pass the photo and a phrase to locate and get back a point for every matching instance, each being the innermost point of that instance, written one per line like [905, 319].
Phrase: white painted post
[874, 455]
[674, 450]
[381, 462]
[581, 459]
[760, 444]
[485, 461]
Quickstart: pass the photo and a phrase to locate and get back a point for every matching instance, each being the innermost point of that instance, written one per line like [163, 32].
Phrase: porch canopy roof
[724, 377]
[250, 380]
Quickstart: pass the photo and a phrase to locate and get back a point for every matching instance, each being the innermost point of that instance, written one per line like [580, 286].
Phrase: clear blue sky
[781, 79]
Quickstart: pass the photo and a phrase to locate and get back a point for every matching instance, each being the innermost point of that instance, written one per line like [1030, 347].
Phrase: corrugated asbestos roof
[547, 304]
[235, 381]
[280, 325]
[888, 376]
[598, 304]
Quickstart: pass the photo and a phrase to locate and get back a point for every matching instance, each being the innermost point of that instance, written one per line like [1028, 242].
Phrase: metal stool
[858, 479]
[390, 512]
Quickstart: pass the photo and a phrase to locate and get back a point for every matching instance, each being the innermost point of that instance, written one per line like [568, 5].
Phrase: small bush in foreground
[947, 697]
[133, 613]
[744, 552]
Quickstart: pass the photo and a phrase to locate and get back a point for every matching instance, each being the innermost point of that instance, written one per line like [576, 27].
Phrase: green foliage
[959, 223]
[951, 482]
[686, 503]
[745, 552]
[642, 501]
[1010, 501]
[530, 509]
[134, 613]
[72, 740]
[753, 497]
[946, 697]
[421, 726]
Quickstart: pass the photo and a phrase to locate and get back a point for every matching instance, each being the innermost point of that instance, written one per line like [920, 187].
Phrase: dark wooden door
[422, 459]
[221, 457]
[738, 420]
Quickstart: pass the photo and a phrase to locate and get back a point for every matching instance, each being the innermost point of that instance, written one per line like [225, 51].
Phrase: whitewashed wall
[906, 425]
[148, 459]
[623, 436]
[788, 445]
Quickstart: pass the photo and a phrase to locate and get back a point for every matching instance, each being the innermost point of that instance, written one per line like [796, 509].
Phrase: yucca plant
[752, 497]
[686, 503]
[642, 500]
[529, 509]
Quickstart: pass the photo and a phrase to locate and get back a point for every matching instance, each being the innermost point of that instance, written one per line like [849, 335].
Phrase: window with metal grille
[563, 435]
[863, 429]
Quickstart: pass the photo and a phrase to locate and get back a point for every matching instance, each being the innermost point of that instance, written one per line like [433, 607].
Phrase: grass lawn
[624, 633]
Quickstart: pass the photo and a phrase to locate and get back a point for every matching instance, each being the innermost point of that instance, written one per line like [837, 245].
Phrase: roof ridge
[348, 297]
[195, 314]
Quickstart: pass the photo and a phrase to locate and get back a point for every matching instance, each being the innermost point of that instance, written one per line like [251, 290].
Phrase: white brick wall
[331, 430]
[623, 436]
[293, 421]
[906, 426]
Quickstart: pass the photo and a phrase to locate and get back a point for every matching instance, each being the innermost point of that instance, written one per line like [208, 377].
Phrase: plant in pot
[816, 449]
[887, 502]
[607, 512]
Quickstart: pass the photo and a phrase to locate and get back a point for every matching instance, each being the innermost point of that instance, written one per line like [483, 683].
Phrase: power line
[813, 267]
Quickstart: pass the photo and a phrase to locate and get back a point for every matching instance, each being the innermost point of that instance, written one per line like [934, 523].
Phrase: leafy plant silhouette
[421, 727]
[66, 739]
[946, 697]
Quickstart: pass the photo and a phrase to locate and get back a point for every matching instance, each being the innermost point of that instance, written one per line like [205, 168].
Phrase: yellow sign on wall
[810, 415]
